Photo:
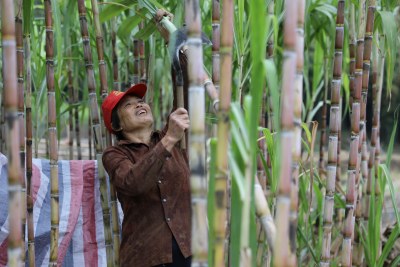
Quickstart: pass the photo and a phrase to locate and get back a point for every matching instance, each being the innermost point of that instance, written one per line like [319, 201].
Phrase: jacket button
[159, 181]
[168, 219]
[164, 200]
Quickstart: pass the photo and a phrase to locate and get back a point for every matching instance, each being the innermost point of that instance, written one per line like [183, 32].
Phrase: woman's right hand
[177, 124]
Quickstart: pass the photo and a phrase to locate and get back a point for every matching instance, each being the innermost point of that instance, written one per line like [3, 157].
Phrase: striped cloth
[81, 240]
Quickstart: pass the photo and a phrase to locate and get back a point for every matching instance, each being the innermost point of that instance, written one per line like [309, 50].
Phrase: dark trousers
[178, 260]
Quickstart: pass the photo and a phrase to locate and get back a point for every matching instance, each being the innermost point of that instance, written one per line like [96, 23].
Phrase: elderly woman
[151, 177]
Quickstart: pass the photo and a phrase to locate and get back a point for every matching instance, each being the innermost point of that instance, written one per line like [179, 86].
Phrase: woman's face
[134, 114]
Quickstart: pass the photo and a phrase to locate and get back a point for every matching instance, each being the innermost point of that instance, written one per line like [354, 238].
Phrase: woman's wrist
[168, 142]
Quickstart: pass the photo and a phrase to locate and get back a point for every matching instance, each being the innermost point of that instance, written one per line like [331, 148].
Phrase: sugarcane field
[175, 133]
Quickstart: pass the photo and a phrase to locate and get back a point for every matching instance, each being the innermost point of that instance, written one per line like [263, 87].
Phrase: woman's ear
[116, 130]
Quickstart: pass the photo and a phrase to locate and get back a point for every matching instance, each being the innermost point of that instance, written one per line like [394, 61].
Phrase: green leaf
[391, 142]
[27, 13]
[386, 23]
[389, 246]
[147, 30]
[211, 195]
[274, 89]
[113, 9]
[128, 24]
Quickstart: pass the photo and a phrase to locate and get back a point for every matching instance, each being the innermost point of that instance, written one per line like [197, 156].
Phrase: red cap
[112, 100]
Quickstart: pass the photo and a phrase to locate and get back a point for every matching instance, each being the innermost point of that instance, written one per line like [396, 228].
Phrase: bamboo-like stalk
[2, 128]
[374, 156]
[358, 80]
[334, 122]
[52, 133]
[104, 93]
[136, 61]
[322, 143]
[297, 109]
[282, 244]
[376, 126]
[11, 131]
[347, 231]
[116, 83]
[90, 139]
[97, 129]
[21, 115]
[264, 214]
[76, 123]
[28, 119]
[270, 42]
[70, 87]
[216, 77]
[369, 27]
[77, 131]
[221, 177]
[142, 59]
[197, 133]
[270, 116]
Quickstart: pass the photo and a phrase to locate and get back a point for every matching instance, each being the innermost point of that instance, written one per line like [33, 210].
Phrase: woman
[151, 177]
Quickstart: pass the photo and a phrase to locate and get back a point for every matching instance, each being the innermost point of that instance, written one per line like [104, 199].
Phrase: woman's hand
[178, 123]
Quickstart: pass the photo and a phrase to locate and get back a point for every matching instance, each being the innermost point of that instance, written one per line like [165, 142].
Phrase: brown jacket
[153, 188]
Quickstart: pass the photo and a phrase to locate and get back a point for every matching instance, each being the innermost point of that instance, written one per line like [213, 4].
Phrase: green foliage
[385, 22]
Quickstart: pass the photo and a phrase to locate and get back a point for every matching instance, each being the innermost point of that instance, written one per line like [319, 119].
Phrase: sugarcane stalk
[114, 57]
[21, 115]
[322, 143]
[212, 86]
[374, 157]
[52, 133]
[297, 109]
[353, 171]
[216, 77]
[264, 214]
[10, 100]
[142, 59]
[136, 61]
[197, 133]
[369, 27]
[282, 244]
[28, 119]
[97, 129]
[224, 45]
[104, 94]
[76, 119]
[334, 122]
[377, 111]
[269, 111]
[70, 87]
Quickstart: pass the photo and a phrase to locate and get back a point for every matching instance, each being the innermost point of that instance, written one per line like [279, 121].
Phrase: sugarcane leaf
[27, 12]
[58, 39]
[113, 9]
[128, 24]
[395, 262]
[314, 110]
[152, 4]
[274, 89]
[238, 118]
[238, 139]
[391, 142]
[386, 23]
[391, 241]
[318, 65]
[389, 181]
[211, 194]
[238, 176]
[147, 30]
